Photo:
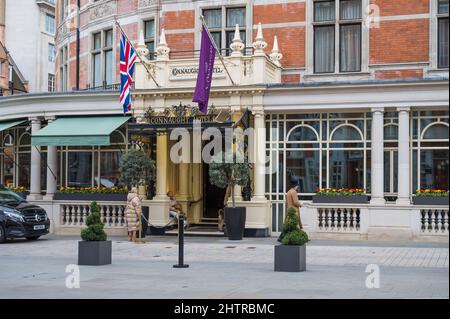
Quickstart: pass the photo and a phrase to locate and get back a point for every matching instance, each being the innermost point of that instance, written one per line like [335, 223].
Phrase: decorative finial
[141, 48]
[276, 56]
[260, 44]
[237, 46]
[163, 49]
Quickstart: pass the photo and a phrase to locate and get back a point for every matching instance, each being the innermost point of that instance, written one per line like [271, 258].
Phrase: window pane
[149, 29]
[303, 134]
[324, 11]
[436, 132]
[217, 36]
[24, 164]
[351, 9]
[80, 169]
[443, 43]
[304, 165]
[347, 169]
[346, 133]
[97, 79]
[235, 16]
[387, 172]
[109, 169]
[97, 41]
[109, 38]
[213, 18]
[51, 53]
[151, 48]
[443, 6]
[434, 169]
[50, 24]
[108, 67]
[324, 49]
[350, 48]
[391, 132]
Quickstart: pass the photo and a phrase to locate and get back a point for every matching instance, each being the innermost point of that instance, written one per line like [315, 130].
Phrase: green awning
[78, 131]
[7, 125]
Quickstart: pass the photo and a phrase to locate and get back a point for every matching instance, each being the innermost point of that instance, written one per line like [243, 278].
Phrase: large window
[50, 23]
[222, 23]
[322, 150]
[430, 156]
[64, 68]
[337, 23]
[443, 26]
[7, 158]
[102, 58]
[92, 166]
[51, 52]
[391, 155]
[149, 35]
[51, 82]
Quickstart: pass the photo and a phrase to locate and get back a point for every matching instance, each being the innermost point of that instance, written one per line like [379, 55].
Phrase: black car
[20, 219]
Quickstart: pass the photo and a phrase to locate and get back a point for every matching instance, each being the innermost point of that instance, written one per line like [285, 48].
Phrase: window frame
[310, 39]
[102, 51]
[150, 39]
[51, 82]
[64, 68]
[224, 29]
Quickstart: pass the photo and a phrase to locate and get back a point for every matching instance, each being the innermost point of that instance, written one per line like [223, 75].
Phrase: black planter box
[94, 253]
[357, 199]
[430, 200]
[91, 197]
[290, 258]
[235, 222]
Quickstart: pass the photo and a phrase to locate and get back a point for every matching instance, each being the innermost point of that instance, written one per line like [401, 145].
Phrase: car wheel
[33, 238]
[2, 234]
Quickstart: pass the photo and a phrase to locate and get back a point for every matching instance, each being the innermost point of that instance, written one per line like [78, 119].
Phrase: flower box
[336, 199]
[430, 200]
[105, 197]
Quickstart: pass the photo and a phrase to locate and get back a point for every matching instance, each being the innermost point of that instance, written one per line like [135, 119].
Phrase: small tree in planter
[228, 170]
[291, 255]
[95, 249]
[136, 168]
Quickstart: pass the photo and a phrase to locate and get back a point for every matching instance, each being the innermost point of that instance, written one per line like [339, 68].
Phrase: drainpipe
[78, 48]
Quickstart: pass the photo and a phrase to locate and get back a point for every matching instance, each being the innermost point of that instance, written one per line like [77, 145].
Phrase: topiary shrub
[136, 168]
[94, 230]
[293, 236]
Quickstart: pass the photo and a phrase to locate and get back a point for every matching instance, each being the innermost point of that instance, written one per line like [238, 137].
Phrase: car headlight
[15, 216]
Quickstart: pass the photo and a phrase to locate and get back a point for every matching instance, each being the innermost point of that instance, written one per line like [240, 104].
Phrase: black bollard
[181, 243]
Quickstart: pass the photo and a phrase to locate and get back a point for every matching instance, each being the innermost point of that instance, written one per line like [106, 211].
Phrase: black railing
[104, 87]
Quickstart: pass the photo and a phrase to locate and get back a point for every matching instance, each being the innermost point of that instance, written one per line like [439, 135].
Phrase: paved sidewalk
[224, 269]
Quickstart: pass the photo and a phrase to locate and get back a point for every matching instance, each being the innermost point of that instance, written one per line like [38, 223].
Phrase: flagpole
[137, 54]
[217, 50]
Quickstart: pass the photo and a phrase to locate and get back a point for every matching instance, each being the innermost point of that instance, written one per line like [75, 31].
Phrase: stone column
[52, 170]
[377, 157]
[161, 167]
[35, 173]
[403, 156]
[260, 155]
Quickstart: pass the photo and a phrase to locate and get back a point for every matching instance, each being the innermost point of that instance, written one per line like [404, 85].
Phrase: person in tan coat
[133, 213]
[292, 199]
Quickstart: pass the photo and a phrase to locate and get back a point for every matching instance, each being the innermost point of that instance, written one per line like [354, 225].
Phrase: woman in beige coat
[133, 213]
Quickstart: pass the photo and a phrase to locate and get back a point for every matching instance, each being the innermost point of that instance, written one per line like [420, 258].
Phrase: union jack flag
[127, 62]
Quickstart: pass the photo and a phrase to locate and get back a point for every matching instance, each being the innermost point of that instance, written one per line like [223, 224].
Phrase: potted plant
[136, 169]
[290, 256]
[227, 170]
[95, 249]
[341, 195]
[21, 191]
[431, 197]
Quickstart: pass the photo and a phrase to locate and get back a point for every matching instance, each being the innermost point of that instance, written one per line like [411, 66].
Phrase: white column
[161, 167]
[403, 156]
[35, 174]
[260, 155]
[377, 157]
[52, 170]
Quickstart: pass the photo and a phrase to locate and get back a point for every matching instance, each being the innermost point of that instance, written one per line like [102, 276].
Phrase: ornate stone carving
[276, 56]
[237, 46]
[260, 44]
[147, 3]
[102, 10]
[163, 49]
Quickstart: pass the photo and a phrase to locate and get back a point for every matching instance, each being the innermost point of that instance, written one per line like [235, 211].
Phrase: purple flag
[205, 72]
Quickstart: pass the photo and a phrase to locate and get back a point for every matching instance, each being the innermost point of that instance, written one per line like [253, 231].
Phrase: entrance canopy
[78, 131]
[6, 125]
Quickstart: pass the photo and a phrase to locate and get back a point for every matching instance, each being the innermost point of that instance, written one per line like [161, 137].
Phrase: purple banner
[205, 72]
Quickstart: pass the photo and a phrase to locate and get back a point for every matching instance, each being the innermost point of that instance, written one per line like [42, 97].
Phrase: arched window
[436, 131]
[303, 133]
[347, 133]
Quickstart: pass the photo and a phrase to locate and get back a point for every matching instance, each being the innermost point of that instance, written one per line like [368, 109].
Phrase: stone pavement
[224, 269]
